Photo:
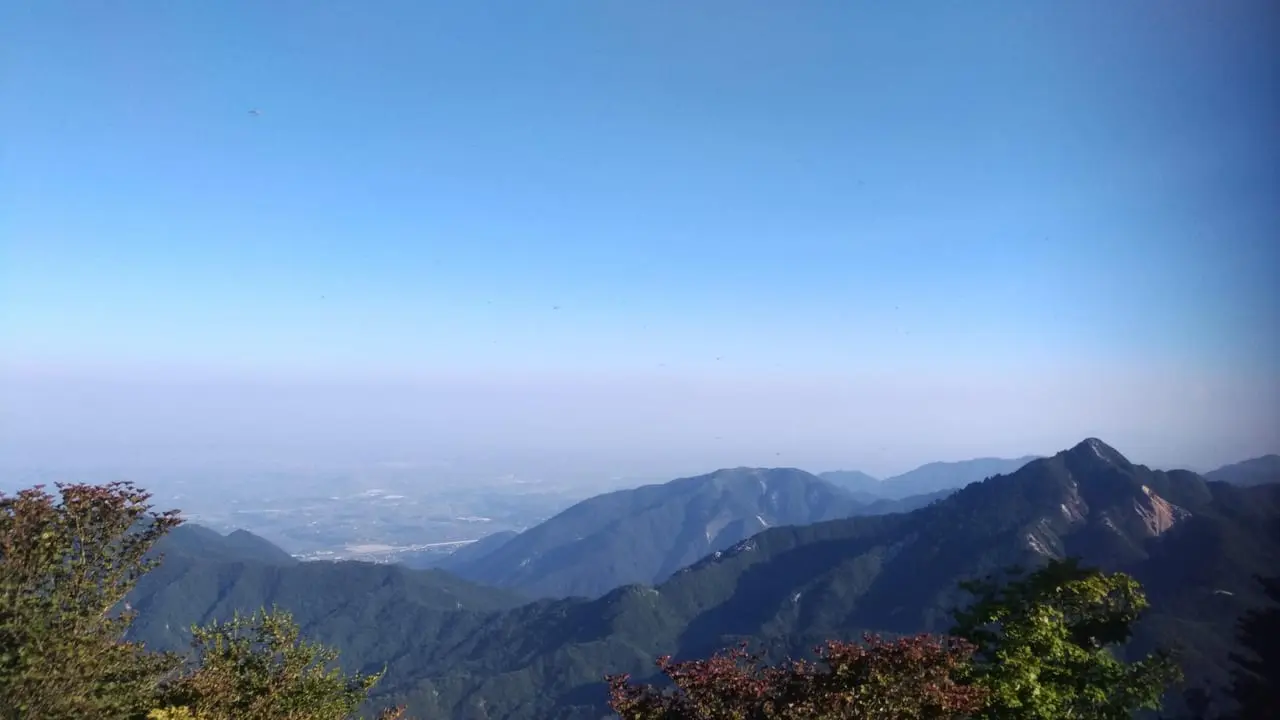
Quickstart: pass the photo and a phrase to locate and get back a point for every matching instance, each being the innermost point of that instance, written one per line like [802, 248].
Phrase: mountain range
[927, 479]
[643, 535]
[454, 648]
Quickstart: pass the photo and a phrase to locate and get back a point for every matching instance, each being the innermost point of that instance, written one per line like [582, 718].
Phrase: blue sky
[823, 215]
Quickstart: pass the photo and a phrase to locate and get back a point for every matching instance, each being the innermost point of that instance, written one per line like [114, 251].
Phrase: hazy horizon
[637, 238]
[883, 424]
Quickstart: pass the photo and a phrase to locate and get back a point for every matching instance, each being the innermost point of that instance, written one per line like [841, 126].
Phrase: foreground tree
[1047, 643]
[906, 679]
[1035, 647]
[66, 562]
[258, 668]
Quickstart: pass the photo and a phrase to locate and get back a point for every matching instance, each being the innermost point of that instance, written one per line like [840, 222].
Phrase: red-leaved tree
[907, 679]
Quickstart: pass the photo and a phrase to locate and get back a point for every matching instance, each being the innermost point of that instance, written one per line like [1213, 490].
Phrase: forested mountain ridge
[196, 541]
[1256, 471]
[205, 576]
[642, 535]
[862, 486]
[1195, 544]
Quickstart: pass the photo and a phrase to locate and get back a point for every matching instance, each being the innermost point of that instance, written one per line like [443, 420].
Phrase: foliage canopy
[68, 561]
[1038, 647]
[1046, 645]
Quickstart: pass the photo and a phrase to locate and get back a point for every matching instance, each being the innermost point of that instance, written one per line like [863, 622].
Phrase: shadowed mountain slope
[1258, 471]
[201, 542]
[939, 476]
[862, 486]
[205, 576]
[643, 535]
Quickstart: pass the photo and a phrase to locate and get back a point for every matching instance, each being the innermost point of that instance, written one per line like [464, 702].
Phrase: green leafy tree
[906, 679]
[66, 563]
[259, 668]
[1047, 645]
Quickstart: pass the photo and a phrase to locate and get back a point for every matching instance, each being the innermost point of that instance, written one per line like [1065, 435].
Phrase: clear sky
[684, 234]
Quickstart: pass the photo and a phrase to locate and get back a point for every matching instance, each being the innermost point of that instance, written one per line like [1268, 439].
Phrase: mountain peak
[767, 478]
[658, 529]
[1094, 451]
